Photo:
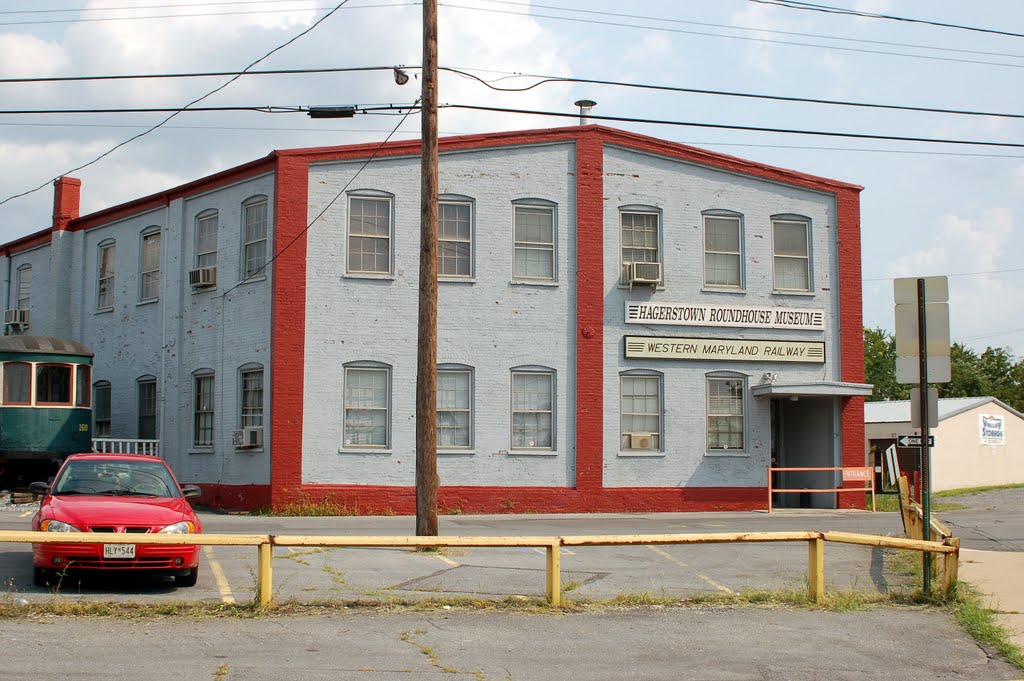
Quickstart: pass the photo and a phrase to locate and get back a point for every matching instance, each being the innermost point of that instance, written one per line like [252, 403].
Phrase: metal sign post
[926, 468]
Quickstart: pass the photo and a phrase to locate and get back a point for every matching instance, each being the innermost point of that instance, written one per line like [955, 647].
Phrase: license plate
[119, 550]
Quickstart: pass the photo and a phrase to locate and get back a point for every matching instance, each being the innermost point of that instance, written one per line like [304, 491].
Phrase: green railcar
[45, 403]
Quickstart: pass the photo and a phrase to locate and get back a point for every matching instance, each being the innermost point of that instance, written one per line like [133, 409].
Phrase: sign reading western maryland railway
[738, 350]
[678, 314]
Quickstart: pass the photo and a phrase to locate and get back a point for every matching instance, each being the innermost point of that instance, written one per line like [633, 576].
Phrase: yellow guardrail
[265, 544]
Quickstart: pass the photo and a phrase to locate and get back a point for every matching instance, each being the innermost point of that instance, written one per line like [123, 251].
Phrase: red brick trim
[288, 326]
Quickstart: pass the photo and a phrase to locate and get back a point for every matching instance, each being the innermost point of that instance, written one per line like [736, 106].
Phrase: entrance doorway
[805, 435]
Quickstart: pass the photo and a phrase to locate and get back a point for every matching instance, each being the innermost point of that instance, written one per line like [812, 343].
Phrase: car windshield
[115, 478]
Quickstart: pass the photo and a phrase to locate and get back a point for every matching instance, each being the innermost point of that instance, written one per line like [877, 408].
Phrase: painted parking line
[544, 552]
[680, 563]
[26, 514]
[218, 576]
[446, 559]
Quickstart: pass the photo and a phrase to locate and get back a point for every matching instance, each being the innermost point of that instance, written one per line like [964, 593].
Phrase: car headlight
[57, 526]
[184, 527]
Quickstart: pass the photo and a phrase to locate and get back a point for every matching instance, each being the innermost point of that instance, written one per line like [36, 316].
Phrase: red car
[128, 493]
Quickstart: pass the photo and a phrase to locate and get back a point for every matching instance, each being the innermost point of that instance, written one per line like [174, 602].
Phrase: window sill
[529, 452]
[254, 278]
[373, 276]
[201, 452]
[456, 452]
[456, 280]
[150, 301]
[378, 452]
[539, 282]
[738, 454]
[733, 291]
[805, 294]
[103, 310]
[640, 454]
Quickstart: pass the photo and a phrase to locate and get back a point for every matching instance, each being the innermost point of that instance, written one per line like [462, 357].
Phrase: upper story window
[725, 413]
[206, 238]
[254, 236]
[640, 411]
[533, 241]
[101, 411]
[455, 240]
[367, 406]
[252, 396]
[24, 286]
[369, 235]
[533, 409]
[640, 239]
[146, 387]
[454, 408]
[149, 265]
[17, 383]
[105, 276]
[791, 253]
[723, 251]
[202, 408]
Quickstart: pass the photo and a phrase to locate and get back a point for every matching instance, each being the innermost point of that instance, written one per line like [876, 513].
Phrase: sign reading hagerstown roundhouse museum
[678, 314]
[653, 347]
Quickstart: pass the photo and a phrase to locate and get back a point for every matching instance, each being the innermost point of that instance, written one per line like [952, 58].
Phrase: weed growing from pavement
[979, 621]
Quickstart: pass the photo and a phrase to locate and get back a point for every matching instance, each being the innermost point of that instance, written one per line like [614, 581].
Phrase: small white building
[979, 441]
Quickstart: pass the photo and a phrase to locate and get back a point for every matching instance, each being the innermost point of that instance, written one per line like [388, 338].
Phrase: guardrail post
[263, 578]
[554, 570]
[816, 569]
[951, 565]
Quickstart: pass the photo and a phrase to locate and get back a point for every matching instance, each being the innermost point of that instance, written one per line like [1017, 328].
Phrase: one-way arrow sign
[914, 441]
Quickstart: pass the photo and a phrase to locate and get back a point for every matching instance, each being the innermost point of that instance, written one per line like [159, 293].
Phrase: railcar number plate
[119, 550]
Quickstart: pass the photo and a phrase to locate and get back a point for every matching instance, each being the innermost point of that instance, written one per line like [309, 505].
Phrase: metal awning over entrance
[815, 389]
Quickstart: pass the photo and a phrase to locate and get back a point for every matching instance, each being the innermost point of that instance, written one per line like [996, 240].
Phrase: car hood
[85, 511]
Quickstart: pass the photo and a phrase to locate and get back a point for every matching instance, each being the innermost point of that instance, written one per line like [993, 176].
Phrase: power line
[193, 102]
[722, 126]
[829, 9]
[193, 74]
[960, 274]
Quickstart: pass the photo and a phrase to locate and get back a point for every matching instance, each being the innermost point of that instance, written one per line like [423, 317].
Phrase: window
[149, 267]
[369, 235]
[24, 286]
[533, 398]
[252, 397]
[206, 239]
[722, 252]
[53, 384]
[367, 400]
[101, 411]
[83, 379]
[202, 410]
[254, 236]
[454, 408]
[455, 240]
[534, 242]
[147, 407]
[640, 404]
[105, 287]
[17, 383]
[725, 414]
[792, 256]
[640, 237]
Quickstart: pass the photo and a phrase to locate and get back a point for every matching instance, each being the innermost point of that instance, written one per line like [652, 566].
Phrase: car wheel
[188, 579]
[41, 576]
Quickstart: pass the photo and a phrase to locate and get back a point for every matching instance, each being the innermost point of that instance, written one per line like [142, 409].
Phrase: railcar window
[17, 382]
[83, 377]
[53, 384]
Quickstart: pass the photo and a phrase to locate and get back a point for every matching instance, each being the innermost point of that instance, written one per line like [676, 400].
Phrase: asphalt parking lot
[338, 642]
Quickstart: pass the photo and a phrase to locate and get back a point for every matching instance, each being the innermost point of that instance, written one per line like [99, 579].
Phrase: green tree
[880, 366]
[967, 377]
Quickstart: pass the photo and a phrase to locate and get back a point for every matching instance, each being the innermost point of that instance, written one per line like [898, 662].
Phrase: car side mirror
[39, 488]
[189, 491]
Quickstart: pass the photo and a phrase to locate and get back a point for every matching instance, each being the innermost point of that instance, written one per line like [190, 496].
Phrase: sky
[927, 208]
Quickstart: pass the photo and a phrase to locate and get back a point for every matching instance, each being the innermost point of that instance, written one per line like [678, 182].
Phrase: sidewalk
[999, 575]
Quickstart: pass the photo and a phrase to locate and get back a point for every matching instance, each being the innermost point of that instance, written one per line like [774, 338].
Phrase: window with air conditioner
[16, 317]
[640, 239]
[640, 412]
[204, 277]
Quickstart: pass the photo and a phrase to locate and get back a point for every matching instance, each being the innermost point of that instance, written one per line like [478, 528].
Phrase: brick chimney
[66, 194]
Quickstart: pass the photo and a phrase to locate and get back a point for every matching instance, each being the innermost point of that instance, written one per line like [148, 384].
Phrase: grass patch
[890, 503]
[965, 491]
[980, 623]
[309, 507]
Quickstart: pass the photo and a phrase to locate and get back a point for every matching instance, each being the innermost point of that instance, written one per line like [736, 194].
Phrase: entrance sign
[738, 316]
[993, 431]
[858, 474]
[733, 349]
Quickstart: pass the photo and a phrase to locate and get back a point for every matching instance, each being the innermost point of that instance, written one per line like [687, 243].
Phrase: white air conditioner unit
[16, 317]
[204, 277]
[641, 440]
[644, 273]
[248, 437]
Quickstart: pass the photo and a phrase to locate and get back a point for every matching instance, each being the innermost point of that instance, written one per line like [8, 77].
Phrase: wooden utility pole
[426, 358]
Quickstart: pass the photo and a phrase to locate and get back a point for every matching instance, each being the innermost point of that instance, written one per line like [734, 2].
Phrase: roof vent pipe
[585, 106]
